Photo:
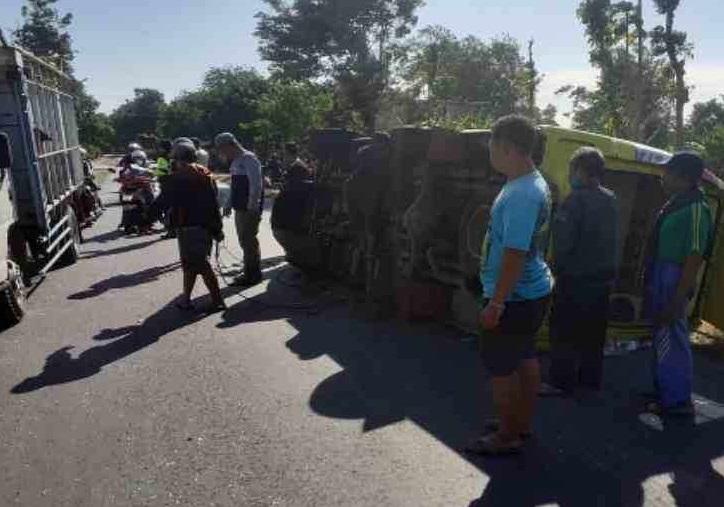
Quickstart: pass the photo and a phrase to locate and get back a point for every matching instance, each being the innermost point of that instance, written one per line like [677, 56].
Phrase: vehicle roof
[612, 147]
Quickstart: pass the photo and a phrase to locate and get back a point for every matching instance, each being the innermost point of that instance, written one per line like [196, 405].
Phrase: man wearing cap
[246, 199]
[680, 243]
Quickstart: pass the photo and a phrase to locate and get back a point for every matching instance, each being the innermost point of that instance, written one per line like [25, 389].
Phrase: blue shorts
[504, 348]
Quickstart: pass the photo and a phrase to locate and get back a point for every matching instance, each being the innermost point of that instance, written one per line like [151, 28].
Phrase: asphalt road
[110, 396]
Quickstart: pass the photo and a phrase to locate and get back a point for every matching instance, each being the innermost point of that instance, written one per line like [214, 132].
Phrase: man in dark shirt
[586, 249]
[190, 194]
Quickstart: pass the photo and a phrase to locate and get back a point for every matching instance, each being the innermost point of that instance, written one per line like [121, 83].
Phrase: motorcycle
[137, 192]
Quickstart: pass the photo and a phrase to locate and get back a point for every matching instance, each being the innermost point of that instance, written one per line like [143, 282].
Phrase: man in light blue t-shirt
[516, 285]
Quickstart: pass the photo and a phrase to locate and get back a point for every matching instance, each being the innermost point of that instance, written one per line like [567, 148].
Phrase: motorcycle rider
[163, 161]
[127, 159]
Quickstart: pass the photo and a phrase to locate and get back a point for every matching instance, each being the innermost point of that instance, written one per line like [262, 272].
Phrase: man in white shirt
[246, 200]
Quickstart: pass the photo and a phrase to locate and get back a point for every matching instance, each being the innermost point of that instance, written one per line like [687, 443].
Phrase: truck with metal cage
[41, 175]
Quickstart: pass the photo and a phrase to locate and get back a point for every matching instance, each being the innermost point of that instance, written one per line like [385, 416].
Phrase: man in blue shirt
[517, 285]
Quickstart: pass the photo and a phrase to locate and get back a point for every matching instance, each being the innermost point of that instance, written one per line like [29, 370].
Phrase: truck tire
[71, 255]
[12, 298]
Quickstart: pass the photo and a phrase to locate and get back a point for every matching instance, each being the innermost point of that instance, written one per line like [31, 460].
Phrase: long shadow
[120, 250]
[125, 281]
[105, 237]
[281, 299]
[61, 367]
[595, 453]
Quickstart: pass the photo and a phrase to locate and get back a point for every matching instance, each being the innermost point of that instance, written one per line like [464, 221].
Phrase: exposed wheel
[70, 256]
[12, 298]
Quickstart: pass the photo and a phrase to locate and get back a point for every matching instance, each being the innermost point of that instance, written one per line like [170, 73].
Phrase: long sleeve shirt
[586, 236]
[246, 183]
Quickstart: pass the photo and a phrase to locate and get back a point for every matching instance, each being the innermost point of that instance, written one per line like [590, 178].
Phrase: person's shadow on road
[61, 367]
[585, 454]
[125, 281]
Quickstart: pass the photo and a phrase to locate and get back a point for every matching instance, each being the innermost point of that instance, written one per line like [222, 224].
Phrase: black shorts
[194, 247]
[513, 341]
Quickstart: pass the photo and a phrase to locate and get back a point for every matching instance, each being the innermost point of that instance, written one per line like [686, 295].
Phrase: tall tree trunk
[640, 126]
[681, 95]
[532, 77]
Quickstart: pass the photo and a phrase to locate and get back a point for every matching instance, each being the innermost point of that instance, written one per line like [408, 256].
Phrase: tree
[350, 42]
[44, 33]
[631, 98]
[706, 129]
[94, 129]
[139, 115]
[673, 44]
[485, 79]
[705, 117]
[227, 97]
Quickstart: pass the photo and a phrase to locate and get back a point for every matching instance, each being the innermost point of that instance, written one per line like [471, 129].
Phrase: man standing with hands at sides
[246, 200]
[586, 248]
[516, 285]
[681, 242]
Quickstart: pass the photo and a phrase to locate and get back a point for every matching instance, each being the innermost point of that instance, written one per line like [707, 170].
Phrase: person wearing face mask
[586, 249]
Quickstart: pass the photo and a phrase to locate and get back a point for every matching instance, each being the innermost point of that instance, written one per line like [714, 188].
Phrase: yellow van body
[633, 172]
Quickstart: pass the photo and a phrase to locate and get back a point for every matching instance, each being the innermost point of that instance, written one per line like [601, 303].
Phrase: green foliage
[706, 129]
[139, 115]
[350, 42]
[482, 80]
[94, 129]
[287, 110]
[44, 33]
[705, 117]
[632, 97]
[466, 122]
[226, 98]
[672, 43]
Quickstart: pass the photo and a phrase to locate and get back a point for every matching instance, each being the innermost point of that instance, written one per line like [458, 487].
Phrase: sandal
[494, 446]
[655, 408]
[493, 425]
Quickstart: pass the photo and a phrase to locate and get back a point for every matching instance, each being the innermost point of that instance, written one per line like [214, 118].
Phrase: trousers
[579, 321]
[247, 230]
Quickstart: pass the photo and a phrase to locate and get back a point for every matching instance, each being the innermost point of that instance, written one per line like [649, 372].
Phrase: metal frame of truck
[39, 225]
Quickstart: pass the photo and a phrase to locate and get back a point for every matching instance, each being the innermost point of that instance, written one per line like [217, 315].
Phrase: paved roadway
[111, 397]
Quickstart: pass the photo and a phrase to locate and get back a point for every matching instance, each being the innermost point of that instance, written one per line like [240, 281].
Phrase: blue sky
[169, 44]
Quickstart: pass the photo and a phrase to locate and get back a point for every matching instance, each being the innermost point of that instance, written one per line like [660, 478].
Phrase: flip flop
[493, 446]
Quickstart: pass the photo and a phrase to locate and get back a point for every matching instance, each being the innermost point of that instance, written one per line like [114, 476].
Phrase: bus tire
[71, 255]
[12, 298]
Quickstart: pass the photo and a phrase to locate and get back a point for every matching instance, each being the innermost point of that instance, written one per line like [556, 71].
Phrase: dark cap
[687, 164]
